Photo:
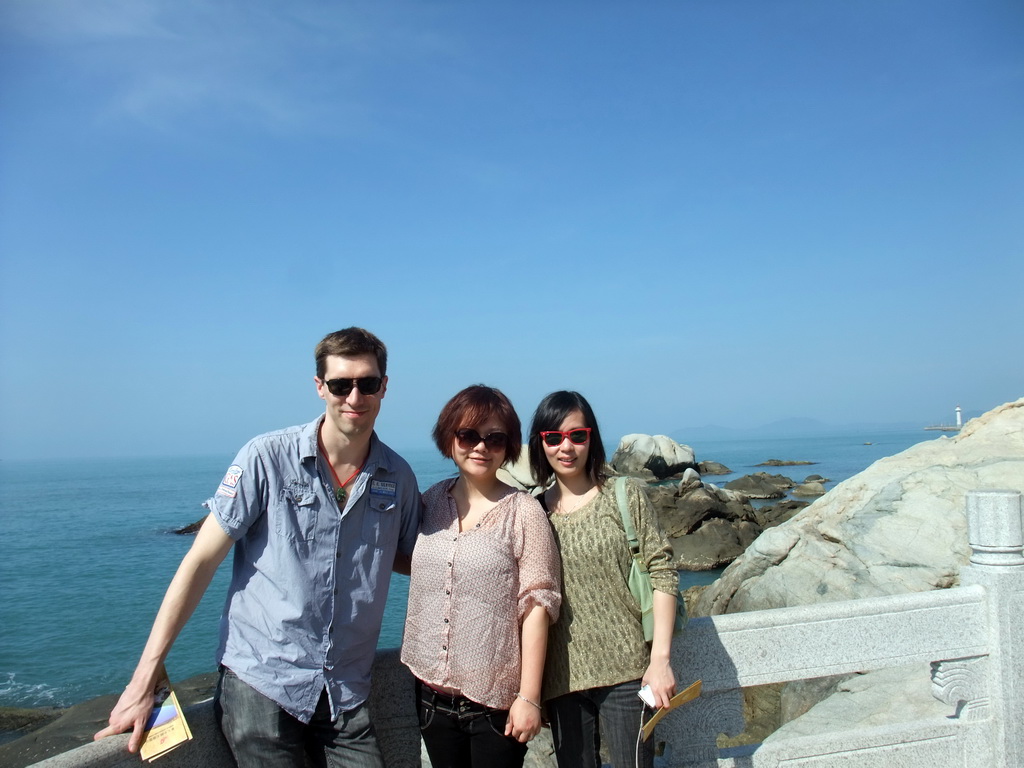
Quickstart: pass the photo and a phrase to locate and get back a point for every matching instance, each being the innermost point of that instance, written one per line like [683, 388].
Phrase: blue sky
[692, 212]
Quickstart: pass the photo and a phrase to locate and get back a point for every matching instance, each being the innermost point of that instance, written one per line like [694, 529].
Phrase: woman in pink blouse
[484, 589]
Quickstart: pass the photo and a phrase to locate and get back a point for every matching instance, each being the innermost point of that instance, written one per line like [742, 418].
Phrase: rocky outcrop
[898, 526]
[518, 474]
[813, 488]
[775, 514]
[709, 527]
[880, 697]
[707, 468]
[76, 725]
[652, 458]
[761, 485]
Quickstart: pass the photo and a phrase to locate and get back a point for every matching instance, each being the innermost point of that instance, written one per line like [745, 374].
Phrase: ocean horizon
[89, 550]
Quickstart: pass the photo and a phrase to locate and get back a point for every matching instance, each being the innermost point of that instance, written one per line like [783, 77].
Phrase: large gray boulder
[650, 457]
[899, 526]
[709, 527]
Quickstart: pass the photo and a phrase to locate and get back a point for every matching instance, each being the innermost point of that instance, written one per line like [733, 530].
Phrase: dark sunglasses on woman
[470, 438]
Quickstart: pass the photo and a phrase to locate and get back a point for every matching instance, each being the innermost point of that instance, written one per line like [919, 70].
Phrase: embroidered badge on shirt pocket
[297, 513]
[378, 518]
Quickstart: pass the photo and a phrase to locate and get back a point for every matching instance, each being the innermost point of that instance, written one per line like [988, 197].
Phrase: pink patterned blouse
[470, 590]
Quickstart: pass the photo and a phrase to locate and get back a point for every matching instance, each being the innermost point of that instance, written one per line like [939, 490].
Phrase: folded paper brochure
[167, 727]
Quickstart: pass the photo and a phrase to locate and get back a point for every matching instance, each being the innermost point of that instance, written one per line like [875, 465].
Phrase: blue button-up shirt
[310, 579]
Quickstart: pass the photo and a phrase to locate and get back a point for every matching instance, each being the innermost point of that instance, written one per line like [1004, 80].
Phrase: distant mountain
[796, 426]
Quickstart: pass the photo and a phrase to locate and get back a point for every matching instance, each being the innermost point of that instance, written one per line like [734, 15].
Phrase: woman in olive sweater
[597, 657]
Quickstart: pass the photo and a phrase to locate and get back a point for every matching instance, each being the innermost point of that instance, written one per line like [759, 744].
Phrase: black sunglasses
[470, 438]
[576, 436]
[368, 385]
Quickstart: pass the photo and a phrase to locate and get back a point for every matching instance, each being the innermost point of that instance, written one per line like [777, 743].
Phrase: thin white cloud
[72, 21]
[169, 64]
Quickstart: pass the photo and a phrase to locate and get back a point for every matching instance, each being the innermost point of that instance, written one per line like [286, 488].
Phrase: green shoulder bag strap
[639, 580]
[639, 565]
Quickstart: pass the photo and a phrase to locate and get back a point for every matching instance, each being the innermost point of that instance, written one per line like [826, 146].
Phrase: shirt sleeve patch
[229, 485]
[383, 488]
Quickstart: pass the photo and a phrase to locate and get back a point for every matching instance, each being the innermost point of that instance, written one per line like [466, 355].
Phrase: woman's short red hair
[472, 407]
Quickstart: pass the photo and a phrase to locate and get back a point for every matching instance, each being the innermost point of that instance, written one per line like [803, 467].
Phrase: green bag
[639, 579]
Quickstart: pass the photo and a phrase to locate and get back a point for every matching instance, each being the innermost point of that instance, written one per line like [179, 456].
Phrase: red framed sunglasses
[575, 436]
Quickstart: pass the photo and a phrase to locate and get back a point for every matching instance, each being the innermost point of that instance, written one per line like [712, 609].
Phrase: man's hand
[130, 713]
[190, 581]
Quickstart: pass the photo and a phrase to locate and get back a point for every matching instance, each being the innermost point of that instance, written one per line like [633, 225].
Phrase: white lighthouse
[948, 427]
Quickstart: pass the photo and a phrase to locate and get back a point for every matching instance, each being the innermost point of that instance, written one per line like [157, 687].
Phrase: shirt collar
[376, 458]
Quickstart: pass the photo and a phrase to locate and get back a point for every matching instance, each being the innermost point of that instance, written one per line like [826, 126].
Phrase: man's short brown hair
[350, 342]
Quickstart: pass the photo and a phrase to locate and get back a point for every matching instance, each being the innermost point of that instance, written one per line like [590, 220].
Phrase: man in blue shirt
[318, 515]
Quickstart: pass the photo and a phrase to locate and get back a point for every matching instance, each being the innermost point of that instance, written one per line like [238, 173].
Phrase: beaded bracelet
[520, 696]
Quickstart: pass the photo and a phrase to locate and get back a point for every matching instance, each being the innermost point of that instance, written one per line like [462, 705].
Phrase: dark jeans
[584, 720]
[460, 733]
[260, 733]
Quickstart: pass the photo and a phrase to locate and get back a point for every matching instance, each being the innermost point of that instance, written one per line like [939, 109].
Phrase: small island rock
[713, 468]
[809, 489]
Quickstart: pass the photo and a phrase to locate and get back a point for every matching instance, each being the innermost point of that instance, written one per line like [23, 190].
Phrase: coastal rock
[15, 722]
[809, 489]
[899, 526]
[76, 725]
[714, 544]
[191, 529]
[880, 697]
[761, 485]
[655, 457]
[775, 514]
[713, 468]
[519, 475]
[708, 526]
[690, 479]
[784, 463]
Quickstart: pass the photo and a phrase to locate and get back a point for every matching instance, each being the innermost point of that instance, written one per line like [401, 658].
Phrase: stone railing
[971, 635]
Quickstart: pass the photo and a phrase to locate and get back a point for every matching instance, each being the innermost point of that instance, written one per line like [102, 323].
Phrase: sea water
[88, 549]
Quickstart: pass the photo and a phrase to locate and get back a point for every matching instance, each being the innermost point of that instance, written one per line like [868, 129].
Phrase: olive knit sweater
[598, 639]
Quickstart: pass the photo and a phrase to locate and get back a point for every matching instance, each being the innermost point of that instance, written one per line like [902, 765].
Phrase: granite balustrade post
[995, 684]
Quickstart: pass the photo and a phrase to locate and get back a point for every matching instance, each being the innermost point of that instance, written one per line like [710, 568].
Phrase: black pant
[460, 733]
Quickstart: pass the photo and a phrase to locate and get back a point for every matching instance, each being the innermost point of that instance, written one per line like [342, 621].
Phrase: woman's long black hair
[548, 417]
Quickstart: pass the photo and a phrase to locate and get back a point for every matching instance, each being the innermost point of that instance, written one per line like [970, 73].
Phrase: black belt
[452, 704]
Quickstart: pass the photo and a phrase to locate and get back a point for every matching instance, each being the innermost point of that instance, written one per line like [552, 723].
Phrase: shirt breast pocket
[380, 520]
[296, 513]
